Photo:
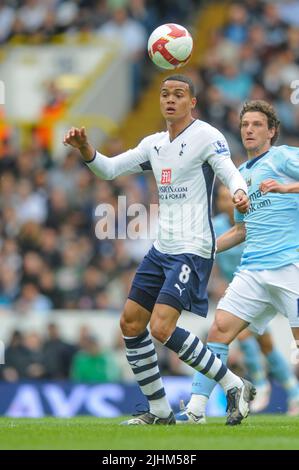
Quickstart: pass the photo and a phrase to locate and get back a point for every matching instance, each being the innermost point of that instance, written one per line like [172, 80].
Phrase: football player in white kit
[174, 274]
[267, 280]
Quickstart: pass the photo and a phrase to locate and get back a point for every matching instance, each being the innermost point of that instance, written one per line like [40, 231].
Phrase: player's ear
[272, 131]
[193, 102]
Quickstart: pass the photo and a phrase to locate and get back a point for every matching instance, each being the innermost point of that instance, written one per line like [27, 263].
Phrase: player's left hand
[241, 201]
[272, 186]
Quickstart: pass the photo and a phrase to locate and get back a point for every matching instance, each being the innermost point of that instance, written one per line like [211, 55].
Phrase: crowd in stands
[129, 22]
[33, 356]
[50, 256]
[40, 20]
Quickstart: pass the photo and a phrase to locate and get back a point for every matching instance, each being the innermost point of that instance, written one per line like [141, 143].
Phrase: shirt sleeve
[291, 164]
[125, 163]
[218, 156]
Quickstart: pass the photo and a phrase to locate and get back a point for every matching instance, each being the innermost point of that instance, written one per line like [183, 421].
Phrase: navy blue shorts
[176, 280]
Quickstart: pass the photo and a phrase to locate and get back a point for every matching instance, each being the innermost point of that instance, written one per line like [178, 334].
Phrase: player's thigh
[247, 299]
[284, 289]
[148, 280]
[185, 285]
[134, 318]
[225, 327]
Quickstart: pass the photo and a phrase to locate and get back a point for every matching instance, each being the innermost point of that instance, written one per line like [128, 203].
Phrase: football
[170, 46]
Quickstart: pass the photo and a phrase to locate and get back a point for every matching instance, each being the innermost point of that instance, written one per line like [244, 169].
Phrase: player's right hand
[76, 137]
[241, 201]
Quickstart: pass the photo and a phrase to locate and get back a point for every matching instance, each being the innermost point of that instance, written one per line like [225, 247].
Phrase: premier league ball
[170, 46]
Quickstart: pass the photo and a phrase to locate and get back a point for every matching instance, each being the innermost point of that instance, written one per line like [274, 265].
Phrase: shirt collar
[250, 163]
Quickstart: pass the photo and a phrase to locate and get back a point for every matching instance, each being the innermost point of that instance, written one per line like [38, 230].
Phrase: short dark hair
[182, 78]
[262, 106]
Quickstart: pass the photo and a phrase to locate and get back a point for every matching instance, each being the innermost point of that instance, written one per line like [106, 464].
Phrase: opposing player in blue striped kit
[267, 280]
[174, 274]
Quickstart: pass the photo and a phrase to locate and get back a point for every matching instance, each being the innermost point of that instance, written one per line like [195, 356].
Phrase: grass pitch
[80, 433]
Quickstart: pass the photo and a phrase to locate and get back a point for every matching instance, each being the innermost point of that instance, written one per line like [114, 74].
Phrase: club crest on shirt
[166, 176]
[220, 146]
[248, 182]
[182, 148]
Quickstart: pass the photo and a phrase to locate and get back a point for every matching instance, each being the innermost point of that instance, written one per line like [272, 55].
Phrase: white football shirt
[184, 169]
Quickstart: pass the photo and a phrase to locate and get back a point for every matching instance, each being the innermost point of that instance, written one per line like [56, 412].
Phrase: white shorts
[257, 296]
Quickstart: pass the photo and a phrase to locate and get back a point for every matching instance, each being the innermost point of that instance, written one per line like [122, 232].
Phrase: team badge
[166, 176]
[182, 148]
[220, 146]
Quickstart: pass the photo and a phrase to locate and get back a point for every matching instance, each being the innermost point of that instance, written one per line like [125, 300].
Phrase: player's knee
[129, 325]
[159, 333]
[219, 331]
[160, 330]
[163, 322]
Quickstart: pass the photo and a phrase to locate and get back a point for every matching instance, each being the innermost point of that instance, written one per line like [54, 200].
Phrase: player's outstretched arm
[273, 186]
[77, 138]
[104, 167]
[232, 237]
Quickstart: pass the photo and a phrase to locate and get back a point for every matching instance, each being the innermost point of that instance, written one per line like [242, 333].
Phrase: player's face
[175, 100]
[255, 134]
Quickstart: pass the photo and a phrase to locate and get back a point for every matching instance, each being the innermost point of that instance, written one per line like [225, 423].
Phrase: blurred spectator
[31, 300]
[8, 190]
[16, 359]
[67, 13]
[29, 236]
[36, 366]
[289, 11]
[32, 15]
[10, 257]
[58, 208]
[9, 287]
[236, 30]
[49, 247]
[57, 354]
[30, 205]
[52, 110]
[274, 26]
[94, 365]
[67, 174]
[132, 37]
[68, 275]
[144, 13]
[49, 288]
[7, 18]
[288, 113]
[33, 266]
[93, 281]
[234, 85]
